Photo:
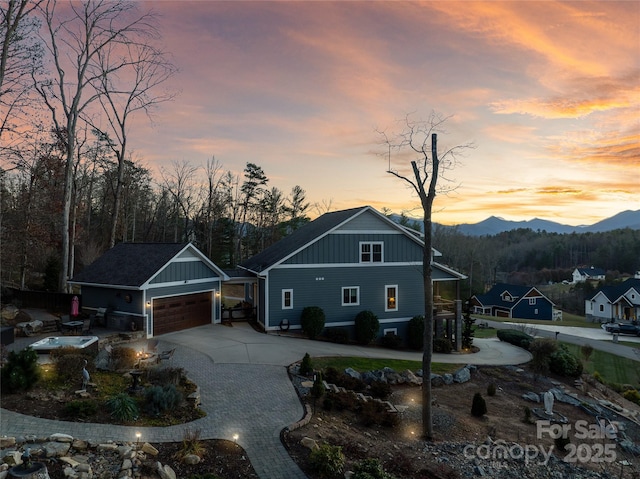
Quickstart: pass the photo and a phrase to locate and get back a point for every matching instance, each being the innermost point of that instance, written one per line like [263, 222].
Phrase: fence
[55, 302]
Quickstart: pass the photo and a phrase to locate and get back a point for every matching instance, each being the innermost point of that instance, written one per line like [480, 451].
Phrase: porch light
[148, 304]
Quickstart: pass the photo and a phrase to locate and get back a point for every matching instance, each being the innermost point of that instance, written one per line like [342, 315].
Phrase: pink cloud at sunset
[548, 92]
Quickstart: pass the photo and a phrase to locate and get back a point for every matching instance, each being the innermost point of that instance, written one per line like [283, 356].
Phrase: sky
[548, 94]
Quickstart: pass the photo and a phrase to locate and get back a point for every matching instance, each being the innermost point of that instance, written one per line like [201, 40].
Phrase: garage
[181, 312]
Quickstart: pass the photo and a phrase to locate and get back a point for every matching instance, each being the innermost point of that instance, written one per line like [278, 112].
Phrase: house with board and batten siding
[345, 262]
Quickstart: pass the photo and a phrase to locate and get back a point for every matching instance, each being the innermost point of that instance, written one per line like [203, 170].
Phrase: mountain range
[495, 225]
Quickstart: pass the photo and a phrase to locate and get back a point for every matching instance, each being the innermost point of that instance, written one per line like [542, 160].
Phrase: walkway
[245, 390]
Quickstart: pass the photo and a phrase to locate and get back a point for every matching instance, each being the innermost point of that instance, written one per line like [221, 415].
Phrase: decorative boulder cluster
[82, 459]
[390, 376]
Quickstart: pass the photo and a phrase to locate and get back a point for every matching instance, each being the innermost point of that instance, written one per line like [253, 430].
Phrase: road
[597, 338]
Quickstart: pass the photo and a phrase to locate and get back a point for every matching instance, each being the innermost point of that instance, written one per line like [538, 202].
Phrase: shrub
[392, 341]
[331, 375]
[166, 375]
[306, 367]
[373, 412]
[312, 321]
[442, 345]
[528, 418]
[191, 444]
[317, 390]
[515, 337]
[159, 399]
[337, 335]
[478, 406]
[565, 363]
[467, 330]
[69, 366]
[632, 395]
[367, 326]
[598, 377]
[491, 389]
[327, 460]
[415, 333]
[370, 469]
[80, 409]
[21, 372]
[123, 358]
[561, 443]
[541, 350]
[379, 389]
[344, 401]
[123, 407]
[586, 350]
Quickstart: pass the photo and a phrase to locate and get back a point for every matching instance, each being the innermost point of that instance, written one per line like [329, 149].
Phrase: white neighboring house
[613, 303]
[580, 275]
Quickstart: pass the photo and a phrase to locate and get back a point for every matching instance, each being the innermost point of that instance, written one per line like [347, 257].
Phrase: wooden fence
[54, 302]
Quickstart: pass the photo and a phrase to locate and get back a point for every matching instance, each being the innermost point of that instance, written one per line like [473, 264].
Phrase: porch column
[458, 321]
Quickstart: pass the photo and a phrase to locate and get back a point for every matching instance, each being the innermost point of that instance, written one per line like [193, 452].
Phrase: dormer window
[371, 252]
[507, 297]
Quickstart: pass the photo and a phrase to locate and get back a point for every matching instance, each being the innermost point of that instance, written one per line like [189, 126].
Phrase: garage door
[181, 312]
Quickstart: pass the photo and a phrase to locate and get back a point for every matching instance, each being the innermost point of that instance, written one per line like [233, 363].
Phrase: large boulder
[462, 375]
[353, 373]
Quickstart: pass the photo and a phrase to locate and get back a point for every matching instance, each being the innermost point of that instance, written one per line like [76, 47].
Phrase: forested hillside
[524, 256]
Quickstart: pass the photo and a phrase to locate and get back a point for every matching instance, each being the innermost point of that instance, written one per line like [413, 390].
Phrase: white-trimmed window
[371, 252]
[532, 301]
[350, 295]
[391, 297]
[287, 299]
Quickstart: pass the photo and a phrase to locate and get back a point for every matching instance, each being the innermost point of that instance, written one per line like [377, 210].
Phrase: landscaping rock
[165, 472]
[462, 375]
[447, 378]
[353, 373]
[57, 449]
[531, 396]
[191, 459]
[309, 443]
[411, 378]
[149, 449]
[436, 380]
[59, 437]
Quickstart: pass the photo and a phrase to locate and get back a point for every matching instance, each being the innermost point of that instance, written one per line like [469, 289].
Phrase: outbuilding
[158, 287]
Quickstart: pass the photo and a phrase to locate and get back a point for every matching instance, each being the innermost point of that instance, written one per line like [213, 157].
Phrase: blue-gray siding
[345, 248]
[323, 287]
[184, 270]
[112, 298]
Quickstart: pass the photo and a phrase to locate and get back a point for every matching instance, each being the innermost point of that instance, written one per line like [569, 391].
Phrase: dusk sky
[549, 93]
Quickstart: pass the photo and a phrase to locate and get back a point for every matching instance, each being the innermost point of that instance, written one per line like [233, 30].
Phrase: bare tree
[20, 56]
[181, 185]
[76, 39]
[423, 179]
[141, 69]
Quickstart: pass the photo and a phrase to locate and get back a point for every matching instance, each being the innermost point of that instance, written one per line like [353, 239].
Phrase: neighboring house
[580, 275]
[343, 262]
[158, 287]
[513, 301]
[616, 302]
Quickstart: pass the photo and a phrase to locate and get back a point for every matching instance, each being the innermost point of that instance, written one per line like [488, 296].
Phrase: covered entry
[181, 312]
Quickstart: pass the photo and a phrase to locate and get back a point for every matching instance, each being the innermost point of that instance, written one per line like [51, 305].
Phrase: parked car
[622, 328]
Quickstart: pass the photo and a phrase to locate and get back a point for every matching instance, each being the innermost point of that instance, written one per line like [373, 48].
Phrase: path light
[235, 438]
[138, 436]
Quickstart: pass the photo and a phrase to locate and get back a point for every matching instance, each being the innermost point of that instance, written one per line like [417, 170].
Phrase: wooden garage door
[181, 312]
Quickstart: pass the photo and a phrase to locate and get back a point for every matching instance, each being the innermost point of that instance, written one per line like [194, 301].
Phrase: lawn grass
[372, 364]
[612, 368]
[483, 333]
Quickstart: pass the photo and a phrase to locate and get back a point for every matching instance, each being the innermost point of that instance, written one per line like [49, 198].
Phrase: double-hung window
[391, 297]
[351, 296]
[371, 252]
[287, 299]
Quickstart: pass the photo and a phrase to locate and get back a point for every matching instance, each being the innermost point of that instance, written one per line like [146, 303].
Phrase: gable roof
[310, 233]
[494, 297]
[591, 271]
[616, 291]
[133, 264]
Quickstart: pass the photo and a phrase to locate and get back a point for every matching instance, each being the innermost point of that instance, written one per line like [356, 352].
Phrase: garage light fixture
[148, 304]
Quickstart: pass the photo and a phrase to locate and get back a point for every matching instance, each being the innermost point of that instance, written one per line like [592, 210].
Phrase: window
[351, 296]
[532, 301]
[391, 293]
[601, 307]
[287, 299]
[371, 252]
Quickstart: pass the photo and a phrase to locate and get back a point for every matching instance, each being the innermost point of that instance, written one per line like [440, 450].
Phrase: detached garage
[158, 287]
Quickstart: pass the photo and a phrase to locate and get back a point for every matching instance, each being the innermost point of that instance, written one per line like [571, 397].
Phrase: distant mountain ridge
[495, 225]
